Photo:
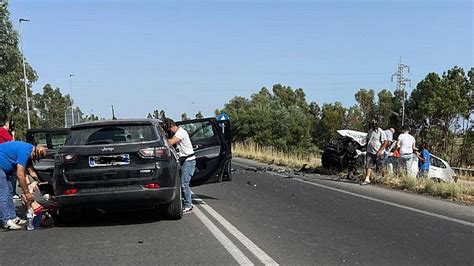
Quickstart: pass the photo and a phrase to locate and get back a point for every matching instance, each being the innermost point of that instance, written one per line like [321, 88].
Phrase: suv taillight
[158, 152]
[64, 158]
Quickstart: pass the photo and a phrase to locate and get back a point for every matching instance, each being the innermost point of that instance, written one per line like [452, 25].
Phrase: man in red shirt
[6, 134]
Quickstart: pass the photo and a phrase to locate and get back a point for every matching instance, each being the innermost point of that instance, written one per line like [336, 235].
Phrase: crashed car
[348, 152]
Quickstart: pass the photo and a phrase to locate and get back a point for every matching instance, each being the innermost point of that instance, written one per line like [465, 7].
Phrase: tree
[51, 106]
[355, 119]
[184, 117]
[332, 119]
[365, 99]
[199, 115]
[436, 105]
[283, 119]
[12, 91]
[387, 109]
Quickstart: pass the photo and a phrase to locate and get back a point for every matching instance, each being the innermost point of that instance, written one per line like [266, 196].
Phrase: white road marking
[373, 199]
[252, 247]
[224, 240]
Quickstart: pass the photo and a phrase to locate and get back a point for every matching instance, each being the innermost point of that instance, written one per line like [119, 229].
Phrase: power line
[401, 82]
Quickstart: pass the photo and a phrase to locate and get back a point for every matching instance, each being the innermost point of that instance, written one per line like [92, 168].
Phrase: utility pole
[24, 73]
[72, 103]
[401, 82]
[113, 113]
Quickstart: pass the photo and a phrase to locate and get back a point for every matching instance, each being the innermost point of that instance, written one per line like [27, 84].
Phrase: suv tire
[174, 209]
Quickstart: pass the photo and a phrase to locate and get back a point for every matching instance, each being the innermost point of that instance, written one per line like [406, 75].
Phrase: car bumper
[138, 197]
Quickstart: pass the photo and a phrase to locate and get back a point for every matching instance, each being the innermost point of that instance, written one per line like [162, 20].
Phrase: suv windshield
[111, 135]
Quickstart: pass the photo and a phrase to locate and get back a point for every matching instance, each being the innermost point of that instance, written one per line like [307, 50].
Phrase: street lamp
[72, 102]
[24, 72]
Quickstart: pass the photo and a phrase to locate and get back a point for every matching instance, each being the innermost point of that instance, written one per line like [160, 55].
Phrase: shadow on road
[112, 217]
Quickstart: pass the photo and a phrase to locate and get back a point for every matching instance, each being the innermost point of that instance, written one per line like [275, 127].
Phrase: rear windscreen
[111, 135]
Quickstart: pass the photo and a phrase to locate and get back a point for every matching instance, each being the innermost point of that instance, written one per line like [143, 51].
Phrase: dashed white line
[251, 246]
[234, 251]
[373, 199]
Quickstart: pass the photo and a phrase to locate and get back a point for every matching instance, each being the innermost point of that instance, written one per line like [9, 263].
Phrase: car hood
[358, 136]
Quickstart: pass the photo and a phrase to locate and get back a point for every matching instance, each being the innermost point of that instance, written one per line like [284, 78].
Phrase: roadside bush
[408, 183]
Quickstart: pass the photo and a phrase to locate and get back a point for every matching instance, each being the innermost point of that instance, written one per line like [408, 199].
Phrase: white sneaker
[19, 221]
[11, 225]
[188, 210]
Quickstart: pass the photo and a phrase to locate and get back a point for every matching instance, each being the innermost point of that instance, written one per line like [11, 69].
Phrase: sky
[190, 56]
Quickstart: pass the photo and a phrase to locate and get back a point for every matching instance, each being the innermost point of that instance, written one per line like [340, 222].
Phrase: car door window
[437, 162]
[40, 138]
[199, 131]
[58, 140]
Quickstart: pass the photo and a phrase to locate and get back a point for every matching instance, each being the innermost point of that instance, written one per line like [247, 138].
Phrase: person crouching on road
[187, 159]
[376, 142]
[16, 155]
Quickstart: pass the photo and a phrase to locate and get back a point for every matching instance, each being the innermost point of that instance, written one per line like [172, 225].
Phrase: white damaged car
[439, 168]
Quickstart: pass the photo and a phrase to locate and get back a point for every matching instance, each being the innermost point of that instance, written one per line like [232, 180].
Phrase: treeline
[438, 111]
[47, 109]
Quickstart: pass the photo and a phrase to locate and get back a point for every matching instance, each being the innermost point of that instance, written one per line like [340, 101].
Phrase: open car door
[211, 147]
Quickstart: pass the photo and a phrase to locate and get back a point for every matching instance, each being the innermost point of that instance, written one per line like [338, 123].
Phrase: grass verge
[274, 156]
[454, 191]
[462, 191]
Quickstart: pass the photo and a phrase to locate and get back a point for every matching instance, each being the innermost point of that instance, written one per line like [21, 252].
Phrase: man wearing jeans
[16, 155]
[406, 144]
[187, 159]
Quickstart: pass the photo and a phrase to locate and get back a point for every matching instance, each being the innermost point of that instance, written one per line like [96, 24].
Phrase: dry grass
[467, 178]
[274, 156]
[454, 191]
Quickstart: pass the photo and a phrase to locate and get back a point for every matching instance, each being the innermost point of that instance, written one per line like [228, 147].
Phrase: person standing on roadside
[186, 158]
[424, 161]
[16, 155]
[406, 145]
[376, 143]
[388, 162]
[7, 133]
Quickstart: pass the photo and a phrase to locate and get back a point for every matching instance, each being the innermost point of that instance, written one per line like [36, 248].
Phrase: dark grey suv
[129, 163]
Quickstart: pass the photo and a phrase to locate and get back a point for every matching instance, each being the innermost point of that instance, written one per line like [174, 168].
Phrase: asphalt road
[260, 218]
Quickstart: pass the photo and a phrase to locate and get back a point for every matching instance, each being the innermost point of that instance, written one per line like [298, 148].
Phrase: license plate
[109, 160]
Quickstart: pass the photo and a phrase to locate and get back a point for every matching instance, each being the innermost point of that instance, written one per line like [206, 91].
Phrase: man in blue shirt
[423, 161]
[16, 156]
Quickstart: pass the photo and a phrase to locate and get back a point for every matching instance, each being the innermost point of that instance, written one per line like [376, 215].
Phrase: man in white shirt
[406, 145]
[187, 159]
[376, 143]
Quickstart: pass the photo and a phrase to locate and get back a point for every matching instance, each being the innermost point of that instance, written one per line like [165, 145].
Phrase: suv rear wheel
[174, 209]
